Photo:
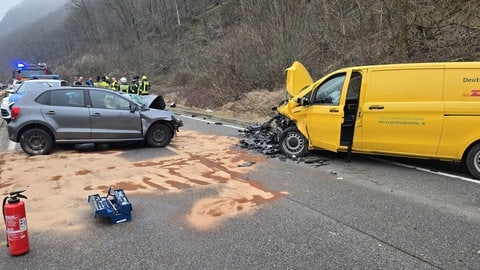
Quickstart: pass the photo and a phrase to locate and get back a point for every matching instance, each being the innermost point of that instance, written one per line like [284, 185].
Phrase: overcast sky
[5, 5]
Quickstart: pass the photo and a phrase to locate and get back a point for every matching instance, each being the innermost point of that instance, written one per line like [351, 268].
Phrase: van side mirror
[304, 101]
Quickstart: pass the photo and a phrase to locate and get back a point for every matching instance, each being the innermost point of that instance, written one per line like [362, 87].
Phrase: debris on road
[265, 139]
[260, 137]
[246, 164]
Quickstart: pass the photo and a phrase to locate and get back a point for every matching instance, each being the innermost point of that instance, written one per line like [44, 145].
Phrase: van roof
[420, 65]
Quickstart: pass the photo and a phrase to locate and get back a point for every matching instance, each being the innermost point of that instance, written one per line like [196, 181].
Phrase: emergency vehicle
[23, 71]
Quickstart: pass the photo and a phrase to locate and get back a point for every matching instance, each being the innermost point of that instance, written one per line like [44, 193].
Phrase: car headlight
[5, 101]
[178, 122]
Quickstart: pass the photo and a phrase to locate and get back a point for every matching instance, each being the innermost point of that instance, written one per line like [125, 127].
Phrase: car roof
[42, 80]
[34, 94]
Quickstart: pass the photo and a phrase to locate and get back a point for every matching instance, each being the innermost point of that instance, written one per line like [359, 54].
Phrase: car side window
[330, 91]
[69, 97]
[108, 100]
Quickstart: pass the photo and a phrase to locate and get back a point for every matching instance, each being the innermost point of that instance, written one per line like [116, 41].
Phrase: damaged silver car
[78, 115]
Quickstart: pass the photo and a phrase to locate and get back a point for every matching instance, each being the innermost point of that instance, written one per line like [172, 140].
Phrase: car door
[324, 116]
[112, 117]
[65, 110]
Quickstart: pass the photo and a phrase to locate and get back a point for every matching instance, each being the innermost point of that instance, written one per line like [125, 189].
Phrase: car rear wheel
[36, 141]
[473, 161]
[159, 135]
[292, 143]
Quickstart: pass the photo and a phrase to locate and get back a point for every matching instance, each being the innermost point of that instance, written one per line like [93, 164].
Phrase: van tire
[36, 141]
[292, 143]
[473, 161]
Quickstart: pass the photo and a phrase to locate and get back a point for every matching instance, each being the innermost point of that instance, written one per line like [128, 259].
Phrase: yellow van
[427, 110]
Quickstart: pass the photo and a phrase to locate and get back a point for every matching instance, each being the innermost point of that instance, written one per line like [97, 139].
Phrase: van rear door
[403, 111]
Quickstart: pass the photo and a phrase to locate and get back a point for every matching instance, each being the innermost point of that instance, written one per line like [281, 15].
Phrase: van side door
[403, 112]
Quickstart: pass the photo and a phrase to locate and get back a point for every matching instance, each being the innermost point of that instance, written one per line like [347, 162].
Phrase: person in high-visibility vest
[104, 83]
[135, 86]
[114, 85]
[97, 82]
[144, 86]
[123, 86]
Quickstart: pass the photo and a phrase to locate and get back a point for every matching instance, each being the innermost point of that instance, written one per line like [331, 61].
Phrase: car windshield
[136, 98]
[29, 86]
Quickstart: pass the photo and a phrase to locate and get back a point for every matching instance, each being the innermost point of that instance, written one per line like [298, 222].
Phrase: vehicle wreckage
[385, 110]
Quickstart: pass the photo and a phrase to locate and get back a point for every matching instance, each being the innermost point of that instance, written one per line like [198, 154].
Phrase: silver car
[24, 88]
[77, 115]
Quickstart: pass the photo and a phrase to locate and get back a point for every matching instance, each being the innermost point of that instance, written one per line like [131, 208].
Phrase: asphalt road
[366, 214]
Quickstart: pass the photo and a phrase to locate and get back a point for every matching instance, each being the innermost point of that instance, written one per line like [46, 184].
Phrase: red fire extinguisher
[16, 223]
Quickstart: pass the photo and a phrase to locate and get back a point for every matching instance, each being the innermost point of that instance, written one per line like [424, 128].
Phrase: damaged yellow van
[428, 110]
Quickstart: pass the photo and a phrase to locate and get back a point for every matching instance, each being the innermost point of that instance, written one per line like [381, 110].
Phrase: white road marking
[11, 145]
[471, 180]
[213, 122]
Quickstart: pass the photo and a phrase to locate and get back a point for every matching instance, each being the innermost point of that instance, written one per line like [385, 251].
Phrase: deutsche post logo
[473, 93]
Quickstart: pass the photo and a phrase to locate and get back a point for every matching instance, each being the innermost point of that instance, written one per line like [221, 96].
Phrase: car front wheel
[292, 143]
[473, 161]
[159, 135]
[36, 141]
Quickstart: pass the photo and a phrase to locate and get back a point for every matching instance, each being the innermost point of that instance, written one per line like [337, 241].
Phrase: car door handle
[51, 113]
[334, 110]
[376, 107]
[97, 115]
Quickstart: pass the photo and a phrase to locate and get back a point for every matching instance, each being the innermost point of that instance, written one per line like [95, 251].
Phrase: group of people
[136, 86]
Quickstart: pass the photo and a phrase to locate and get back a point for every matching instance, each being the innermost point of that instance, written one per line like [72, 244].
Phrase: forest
[217, 51]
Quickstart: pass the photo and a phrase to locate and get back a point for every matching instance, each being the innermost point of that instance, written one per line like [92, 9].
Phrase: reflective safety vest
[123, 88]
[144, 87]
[114, 85]
[103, 84]
[134, 88]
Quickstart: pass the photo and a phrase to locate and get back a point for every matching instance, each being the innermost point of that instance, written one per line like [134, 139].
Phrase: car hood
[154, 102]
[297, 78]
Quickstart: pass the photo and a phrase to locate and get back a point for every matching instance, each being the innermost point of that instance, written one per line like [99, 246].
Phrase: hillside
[28, 11]
[213, 52]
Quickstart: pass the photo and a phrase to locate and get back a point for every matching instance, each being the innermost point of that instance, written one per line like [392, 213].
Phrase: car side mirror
[133, 108]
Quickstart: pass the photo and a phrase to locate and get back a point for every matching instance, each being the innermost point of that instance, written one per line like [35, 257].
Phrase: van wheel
[159, 135]
[293, 143]
[36, 141]
[473, 161]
